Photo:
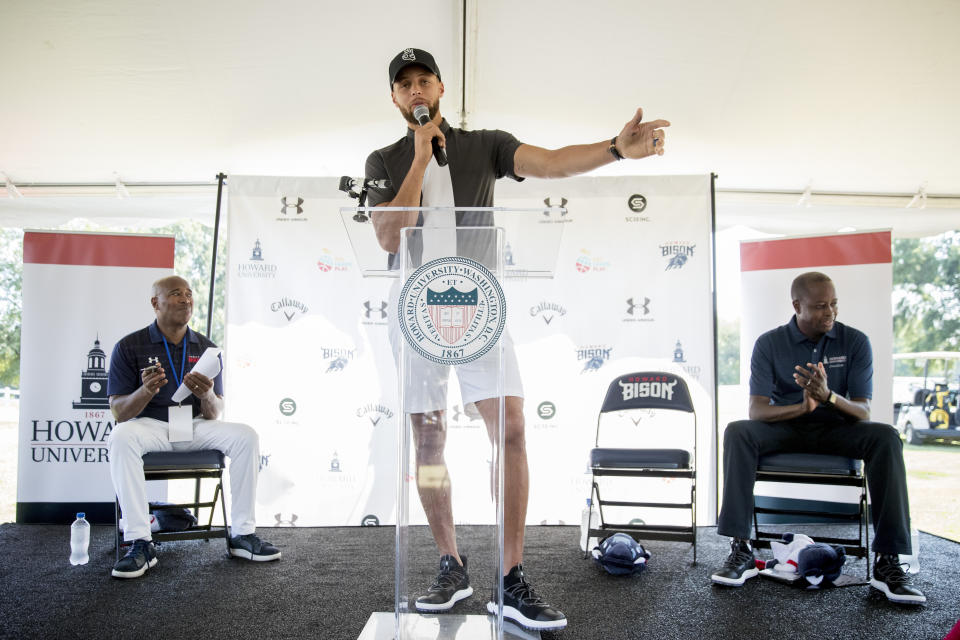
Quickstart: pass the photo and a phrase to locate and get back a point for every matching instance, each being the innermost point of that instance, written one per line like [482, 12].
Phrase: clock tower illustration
[93, 381]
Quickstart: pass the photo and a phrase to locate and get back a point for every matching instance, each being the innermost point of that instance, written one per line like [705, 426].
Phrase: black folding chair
[813, 469]
[178, 465]
[648, 391]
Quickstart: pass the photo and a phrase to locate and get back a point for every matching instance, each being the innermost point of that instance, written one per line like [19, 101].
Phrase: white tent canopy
[850, 98]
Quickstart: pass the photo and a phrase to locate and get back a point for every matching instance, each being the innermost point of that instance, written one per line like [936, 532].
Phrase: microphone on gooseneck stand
[422, 114]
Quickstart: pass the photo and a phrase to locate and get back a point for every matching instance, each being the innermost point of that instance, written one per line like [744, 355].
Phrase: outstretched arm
[637, 139]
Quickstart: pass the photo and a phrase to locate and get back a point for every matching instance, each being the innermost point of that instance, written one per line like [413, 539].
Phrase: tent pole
[213, 262]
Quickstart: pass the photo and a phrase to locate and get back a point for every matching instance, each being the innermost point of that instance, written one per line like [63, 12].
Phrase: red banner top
[816, 251]
[100, 250]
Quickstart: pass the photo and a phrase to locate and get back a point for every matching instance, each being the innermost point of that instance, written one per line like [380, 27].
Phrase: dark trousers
[877, 444]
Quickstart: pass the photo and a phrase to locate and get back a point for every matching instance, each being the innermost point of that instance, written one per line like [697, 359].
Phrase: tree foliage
[926, 295]
[728, 352]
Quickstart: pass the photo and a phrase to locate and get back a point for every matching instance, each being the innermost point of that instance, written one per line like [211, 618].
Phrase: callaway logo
[381, 309]
[548, 311]
[374, 412]
[647, 389]
[298, 205]
[288, 303]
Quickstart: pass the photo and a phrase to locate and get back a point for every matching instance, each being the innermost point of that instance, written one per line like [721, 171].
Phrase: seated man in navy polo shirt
[811, 381]
[141, 401]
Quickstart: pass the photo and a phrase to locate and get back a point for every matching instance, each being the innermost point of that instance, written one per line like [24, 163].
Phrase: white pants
[130, 440]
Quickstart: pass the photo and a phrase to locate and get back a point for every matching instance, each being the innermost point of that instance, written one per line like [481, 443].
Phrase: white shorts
[426, 387]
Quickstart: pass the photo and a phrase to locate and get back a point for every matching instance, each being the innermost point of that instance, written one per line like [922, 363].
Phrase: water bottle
[79, 540]
[590, 518]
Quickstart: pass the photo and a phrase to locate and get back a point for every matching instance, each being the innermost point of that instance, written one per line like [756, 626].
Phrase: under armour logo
[458, 412]
[645, 305]
[287, 205]
[408, 55]
[562, 205]
[369, 308]
[292, 521]
[154, 360]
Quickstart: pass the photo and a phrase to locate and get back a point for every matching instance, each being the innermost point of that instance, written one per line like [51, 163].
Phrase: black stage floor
[331, 579]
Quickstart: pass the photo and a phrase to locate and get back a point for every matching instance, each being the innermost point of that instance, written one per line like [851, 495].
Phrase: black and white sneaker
[141, 556]
[451, 586]
[741, 565]
[250, 547]
[890, 579]
[522, 606]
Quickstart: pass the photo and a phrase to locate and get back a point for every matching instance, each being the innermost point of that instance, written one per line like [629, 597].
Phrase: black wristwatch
[613, 149]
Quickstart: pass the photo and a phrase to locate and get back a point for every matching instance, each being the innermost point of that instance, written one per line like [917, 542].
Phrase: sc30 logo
[546, 410]
[288, 407]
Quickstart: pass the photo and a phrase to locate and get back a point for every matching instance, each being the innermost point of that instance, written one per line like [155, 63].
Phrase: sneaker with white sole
[250, 547]
[141, 555]
[451, 586]
[892, 581]
[522, 606]
[740, 566]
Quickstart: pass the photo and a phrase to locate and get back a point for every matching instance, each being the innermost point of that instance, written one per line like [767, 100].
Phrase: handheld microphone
[422, 114]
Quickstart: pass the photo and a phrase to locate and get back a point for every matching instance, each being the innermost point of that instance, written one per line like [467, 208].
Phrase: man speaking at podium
[436, 165]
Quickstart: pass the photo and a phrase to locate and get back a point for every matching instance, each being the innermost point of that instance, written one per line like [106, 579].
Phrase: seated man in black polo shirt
[141, 401]
[811, 381]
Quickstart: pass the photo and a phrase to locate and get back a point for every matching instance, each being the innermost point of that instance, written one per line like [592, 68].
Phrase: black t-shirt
[476, 160]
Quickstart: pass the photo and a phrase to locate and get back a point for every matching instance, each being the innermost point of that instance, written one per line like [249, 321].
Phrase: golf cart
[932, 412]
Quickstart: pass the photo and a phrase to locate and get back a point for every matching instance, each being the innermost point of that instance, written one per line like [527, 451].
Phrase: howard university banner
[81, 293]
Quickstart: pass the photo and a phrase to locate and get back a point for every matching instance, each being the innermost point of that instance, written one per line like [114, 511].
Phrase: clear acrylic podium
[447, 311]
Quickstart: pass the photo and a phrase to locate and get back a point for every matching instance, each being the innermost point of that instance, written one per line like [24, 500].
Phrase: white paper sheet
[208, 365]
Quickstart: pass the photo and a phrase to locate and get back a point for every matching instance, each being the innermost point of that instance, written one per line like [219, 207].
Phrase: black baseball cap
[408, 57]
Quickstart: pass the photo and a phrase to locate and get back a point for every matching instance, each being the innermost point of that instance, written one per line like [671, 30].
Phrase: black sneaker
[890, 579]
[451, 586]
[141, 556]
[250, 547]
[522, 606]
[741, 565]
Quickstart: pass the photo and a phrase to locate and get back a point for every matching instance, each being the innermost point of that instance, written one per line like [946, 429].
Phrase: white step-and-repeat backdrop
[308, 362]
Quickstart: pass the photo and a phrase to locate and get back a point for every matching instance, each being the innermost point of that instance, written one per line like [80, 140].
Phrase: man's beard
[408, 113]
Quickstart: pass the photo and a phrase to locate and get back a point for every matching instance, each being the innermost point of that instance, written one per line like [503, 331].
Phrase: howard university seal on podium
[452, 310]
